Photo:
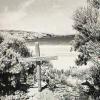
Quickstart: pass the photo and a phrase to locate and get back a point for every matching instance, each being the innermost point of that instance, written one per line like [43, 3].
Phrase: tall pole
[37, 50]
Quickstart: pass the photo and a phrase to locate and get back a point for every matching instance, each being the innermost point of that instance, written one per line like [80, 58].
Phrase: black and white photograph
[49, 49]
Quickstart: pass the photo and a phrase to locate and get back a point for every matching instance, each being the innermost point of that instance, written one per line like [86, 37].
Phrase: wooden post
[37, 50]
[38, 60]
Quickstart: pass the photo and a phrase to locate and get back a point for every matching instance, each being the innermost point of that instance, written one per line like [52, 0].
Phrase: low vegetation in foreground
[17, 77]
[14, 75]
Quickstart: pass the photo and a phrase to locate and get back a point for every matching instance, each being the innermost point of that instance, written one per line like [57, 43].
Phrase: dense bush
[87, 41]
[14, 74]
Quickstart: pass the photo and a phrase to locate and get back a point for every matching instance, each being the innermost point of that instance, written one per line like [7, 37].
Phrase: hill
[29, 35]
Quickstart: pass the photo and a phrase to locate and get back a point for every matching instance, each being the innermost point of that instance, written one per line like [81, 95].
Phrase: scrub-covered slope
[27, 35]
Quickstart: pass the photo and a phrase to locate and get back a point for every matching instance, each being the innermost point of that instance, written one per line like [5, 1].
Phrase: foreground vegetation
[87, 42]
[17, 77]
[14, 75]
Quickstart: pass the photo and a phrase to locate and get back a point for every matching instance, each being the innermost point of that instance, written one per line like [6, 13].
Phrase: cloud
[8, 18]
[12, 5]
[26, 4]
[52, 16]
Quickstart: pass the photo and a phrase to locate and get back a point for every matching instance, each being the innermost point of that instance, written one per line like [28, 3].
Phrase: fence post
[37, 50]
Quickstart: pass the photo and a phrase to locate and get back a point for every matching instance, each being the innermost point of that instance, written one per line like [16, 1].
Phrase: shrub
[13, 73]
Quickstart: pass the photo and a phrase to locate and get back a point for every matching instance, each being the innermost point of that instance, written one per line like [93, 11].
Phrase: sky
[50, 16]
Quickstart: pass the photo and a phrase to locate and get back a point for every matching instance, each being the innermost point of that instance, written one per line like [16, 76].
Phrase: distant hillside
[29, 36]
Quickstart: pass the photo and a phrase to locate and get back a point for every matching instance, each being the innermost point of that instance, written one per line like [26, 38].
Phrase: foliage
[86, 22]
[13, 73]
[87, 41]
[55, 77]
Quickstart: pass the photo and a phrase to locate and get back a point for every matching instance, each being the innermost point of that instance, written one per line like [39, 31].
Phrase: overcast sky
[52, 16]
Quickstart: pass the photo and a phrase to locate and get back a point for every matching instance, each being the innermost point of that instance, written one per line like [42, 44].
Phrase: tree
[87, 41]
[13, 74]
[86, 22]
